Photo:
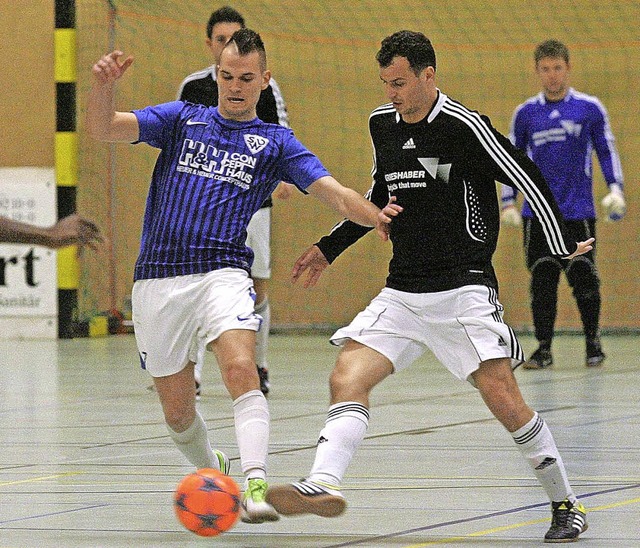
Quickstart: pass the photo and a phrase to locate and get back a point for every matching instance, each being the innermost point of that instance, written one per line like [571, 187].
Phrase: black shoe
[540, 359]
[567, 522]
[595, 355]
[263, 373]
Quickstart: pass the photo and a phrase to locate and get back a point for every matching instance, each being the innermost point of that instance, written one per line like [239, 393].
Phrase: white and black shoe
[567, 522]
[307, 497]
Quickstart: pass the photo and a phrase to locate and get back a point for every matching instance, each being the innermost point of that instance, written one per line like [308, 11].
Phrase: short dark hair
[551, 48]
[415, 46]
[225, 14]
[247, 41]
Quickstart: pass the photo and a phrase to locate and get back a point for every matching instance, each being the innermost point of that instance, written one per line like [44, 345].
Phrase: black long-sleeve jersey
[201, 88]
[443, 172]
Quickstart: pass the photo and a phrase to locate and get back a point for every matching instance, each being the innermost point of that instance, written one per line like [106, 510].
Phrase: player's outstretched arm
[104, 123]
[312, 261]
[71, 230]
[75, 229]
[583, 247]
[345, 201]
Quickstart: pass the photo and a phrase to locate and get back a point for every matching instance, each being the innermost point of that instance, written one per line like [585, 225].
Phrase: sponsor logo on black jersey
[440, 172]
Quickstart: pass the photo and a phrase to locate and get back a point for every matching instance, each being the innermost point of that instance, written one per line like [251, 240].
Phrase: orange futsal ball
[207, 502]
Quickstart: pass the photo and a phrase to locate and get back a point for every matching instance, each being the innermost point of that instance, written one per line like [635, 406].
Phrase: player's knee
[239, 376]
[345, 383]
[339, 379]
[497, 385]
[545, 275]
[583, 278]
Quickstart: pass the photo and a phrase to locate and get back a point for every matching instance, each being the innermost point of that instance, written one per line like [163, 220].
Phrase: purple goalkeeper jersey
[211, 176]
[560, 138]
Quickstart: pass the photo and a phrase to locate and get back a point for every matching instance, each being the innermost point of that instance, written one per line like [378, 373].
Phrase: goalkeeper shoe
[595, 355]
[255, 509]
[567, 522]
[307, 497]
[540, 359]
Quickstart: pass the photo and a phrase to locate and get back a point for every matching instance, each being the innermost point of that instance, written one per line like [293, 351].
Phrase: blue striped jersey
[560, 137]
[211, 176]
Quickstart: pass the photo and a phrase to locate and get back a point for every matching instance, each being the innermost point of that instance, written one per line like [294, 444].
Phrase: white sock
[251, 413]
[536, 443]
[262, 336]
[194, 444]
[341, 436]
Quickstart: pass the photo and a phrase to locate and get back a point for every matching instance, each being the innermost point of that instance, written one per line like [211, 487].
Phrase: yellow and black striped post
[66, 159]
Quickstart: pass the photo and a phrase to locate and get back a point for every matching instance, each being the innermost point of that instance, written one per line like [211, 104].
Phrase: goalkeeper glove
[614, 205]
[510, 216]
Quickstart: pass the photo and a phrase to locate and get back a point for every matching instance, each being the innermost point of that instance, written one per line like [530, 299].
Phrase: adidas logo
[501, 342]
[322, 439]
[554, 114]
[409, 144]
[546, 463]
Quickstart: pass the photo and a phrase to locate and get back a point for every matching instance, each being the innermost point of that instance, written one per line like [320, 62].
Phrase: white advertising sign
[28, 273]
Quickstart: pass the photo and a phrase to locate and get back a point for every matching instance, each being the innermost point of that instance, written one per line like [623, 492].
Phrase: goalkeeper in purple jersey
[216, 167]
[559, 128]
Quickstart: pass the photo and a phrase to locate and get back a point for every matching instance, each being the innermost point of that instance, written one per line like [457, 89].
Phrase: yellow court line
[43, 478]
[517, 525]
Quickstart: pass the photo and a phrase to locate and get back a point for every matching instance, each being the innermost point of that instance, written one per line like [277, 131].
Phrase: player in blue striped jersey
[201, 88]
[559, 128]
[215, 168]
[435, 167]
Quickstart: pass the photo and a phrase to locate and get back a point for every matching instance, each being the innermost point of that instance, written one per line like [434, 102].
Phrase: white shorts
[173, 317]
[462, 327]
[259, 239]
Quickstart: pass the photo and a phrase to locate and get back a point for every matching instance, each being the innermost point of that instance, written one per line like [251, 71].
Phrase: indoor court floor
[85, 460]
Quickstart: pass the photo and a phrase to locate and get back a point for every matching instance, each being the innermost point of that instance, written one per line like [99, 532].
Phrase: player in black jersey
[435, 167]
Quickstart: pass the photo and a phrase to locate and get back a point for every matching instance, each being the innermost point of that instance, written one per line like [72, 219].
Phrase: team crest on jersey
[256, 143]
